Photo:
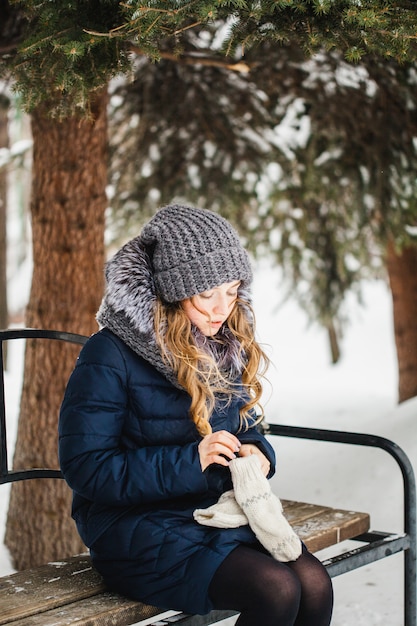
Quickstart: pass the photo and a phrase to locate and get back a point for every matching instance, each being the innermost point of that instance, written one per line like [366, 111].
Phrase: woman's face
[210, 309]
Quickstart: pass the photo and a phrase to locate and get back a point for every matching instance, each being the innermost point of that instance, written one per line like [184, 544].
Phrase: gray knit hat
[193, 250]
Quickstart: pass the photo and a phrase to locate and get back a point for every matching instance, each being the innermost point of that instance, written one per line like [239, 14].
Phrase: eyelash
[207, 297]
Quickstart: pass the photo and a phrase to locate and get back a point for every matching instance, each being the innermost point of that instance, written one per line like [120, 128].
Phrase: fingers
[248, 448]
[219, 447]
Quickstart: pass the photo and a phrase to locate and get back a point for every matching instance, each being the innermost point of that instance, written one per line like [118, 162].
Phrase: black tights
[270, 593]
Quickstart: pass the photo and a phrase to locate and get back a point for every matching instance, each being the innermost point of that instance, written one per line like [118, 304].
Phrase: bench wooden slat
[300, 511]
[48, 586]
[321, 527]
[72, 592]
[104, 608]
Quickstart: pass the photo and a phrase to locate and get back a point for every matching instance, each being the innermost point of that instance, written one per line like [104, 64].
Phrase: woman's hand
[218, 447]
[249, 448]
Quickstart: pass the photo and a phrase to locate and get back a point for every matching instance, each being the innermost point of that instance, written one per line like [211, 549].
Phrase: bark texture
[67, 207]
[402, 270]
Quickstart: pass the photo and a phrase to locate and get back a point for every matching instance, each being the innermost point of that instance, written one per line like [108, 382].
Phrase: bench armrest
[360, 439]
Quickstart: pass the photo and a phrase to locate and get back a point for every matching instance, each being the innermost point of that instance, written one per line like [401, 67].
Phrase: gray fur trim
[130, 286]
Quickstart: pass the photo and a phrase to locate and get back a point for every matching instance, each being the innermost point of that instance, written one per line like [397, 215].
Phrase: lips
[215, 327]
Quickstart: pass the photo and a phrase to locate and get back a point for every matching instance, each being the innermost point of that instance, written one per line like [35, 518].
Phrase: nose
[222, 304]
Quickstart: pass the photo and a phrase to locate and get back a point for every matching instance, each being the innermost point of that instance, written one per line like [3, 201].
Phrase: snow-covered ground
[357, 394]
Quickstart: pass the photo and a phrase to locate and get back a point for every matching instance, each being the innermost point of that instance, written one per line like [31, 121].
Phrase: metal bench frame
[376, 544]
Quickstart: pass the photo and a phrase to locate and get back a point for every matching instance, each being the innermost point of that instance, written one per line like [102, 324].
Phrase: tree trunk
[68, 208]
[402, 271]
[333, 342]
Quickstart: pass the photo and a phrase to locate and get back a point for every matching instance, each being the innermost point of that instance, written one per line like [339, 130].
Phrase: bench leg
[410, 586]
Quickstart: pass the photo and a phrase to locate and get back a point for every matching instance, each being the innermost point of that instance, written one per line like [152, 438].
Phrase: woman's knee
[315, 577]
[316, 604]
[268, 588]
[282, 588]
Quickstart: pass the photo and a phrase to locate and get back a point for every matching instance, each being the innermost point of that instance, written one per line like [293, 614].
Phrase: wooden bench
[72, 592]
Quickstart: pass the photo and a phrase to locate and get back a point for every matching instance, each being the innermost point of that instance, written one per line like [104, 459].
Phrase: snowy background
[357, 394]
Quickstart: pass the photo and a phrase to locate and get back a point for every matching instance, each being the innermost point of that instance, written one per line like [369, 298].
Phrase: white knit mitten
[263, 509]
[225, 513]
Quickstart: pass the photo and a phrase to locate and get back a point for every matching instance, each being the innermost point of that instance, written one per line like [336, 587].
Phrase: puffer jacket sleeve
[252, 435]
[93, 460]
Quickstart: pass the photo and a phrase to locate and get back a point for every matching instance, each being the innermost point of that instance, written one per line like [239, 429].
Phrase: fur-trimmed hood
[128, 309]
[130, 286]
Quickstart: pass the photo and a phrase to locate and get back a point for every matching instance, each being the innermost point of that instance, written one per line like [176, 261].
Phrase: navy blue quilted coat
[128, 449]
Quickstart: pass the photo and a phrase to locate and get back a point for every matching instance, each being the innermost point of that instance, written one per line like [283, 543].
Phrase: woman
[161, 400]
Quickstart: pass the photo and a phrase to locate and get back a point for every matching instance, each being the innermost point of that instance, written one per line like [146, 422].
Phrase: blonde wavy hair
[197, 370]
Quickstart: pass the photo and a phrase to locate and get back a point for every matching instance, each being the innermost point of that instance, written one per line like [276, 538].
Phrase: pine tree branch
[50, 37]
[193, 59]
